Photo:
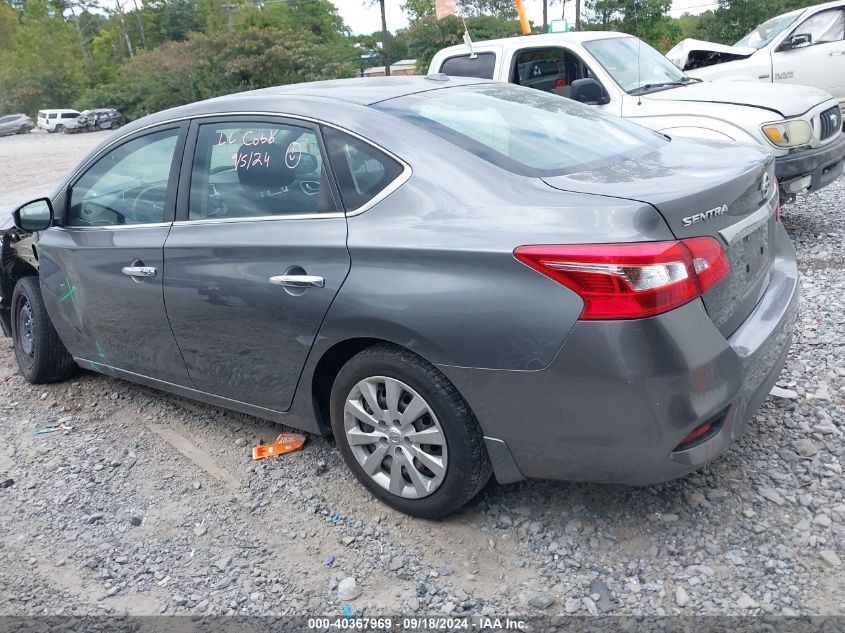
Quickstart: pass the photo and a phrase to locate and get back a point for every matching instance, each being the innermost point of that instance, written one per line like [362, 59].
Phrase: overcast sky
[361, 17]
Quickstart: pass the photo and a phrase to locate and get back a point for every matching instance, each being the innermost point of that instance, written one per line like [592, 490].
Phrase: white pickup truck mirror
[589, 91]
[798, 40]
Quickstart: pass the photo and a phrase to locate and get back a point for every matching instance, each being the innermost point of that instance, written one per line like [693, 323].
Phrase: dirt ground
[142, 503]
[34, 164]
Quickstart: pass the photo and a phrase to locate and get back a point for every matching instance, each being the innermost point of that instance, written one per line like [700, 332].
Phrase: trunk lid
[703, 189]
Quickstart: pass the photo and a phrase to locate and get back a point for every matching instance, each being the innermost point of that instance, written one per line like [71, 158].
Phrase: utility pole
[230, 26]
[384, 52]
[577, 15]
[545, 15]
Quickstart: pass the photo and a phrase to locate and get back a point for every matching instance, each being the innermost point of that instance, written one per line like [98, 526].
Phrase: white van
[57, 120]
[805, 47]
[799, 126]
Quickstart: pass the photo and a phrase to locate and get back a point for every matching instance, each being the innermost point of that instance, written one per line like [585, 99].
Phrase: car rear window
[523, 130]
[480, 66]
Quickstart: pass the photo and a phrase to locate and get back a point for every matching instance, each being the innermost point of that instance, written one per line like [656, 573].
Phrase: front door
[821, 63]
[255, 257]
[101, 271]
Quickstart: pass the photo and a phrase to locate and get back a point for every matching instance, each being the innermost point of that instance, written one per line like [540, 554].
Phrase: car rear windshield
[523, 130]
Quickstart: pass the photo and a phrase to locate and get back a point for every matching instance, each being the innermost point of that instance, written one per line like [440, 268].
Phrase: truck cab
[601, 69]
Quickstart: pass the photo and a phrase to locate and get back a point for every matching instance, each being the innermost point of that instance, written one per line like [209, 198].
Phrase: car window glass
[126, 186]
[5, 119]
[53, 116]
[768, 31]
[633, 64]
[549, 69]
[362, 170]
[826, 26]
[243, 170]
[480, 66]
[69, 115]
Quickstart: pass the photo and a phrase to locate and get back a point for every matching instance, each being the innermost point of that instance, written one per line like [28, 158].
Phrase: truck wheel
[24, 130]
[406, 433]
[41, 356]
[60, 129]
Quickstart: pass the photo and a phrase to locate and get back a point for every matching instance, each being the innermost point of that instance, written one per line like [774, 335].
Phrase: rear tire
[24, 130]
[41, 356]
[441, 432]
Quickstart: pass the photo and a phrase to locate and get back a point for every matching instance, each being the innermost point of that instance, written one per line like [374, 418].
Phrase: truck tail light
[631, 280]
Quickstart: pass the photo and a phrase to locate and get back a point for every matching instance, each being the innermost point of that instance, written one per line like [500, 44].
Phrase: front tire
[406, 432]
[41, 356]
[59, 129]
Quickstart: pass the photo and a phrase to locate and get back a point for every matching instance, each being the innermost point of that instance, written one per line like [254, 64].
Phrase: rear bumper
[621, 395]
[823, 165]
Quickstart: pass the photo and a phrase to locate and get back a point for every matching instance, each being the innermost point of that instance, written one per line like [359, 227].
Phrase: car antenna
[639, 48]
[468, 39]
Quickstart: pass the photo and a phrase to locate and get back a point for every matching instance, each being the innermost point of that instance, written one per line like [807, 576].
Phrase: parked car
[100, 119]
[805, 47]
[15, 124]
[57, 120]
[799, 126]
[452, 276]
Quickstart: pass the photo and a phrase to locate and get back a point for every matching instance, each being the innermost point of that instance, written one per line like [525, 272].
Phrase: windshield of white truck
[619, 55]
[768, 31]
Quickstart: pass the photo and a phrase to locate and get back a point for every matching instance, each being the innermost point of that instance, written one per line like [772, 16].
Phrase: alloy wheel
[395, 437]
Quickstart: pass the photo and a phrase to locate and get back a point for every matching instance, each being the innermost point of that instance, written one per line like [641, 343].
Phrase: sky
[363, 16]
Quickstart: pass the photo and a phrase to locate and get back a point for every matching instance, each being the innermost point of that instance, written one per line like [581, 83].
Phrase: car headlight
[789, 133]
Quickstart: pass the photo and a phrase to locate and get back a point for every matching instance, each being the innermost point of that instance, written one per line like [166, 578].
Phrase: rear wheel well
[327, 369]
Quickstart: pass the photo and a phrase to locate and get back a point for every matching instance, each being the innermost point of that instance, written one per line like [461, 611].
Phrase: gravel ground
[151, 504]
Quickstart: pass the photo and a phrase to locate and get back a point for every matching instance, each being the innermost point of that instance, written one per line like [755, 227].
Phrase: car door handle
[139, 271]
[298, 281]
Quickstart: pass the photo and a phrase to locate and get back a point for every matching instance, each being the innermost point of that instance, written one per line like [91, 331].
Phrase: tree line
[141, 56]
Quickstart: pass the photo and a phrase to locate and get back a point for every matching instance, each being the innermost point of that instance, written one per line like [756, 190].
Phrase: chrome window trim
[397, 182]
[109, 227]
[264, 218]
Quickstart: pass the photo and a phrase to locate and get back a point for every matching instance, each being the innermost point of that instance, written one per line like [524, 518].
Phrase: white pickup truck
[800, 126]
[804, 47]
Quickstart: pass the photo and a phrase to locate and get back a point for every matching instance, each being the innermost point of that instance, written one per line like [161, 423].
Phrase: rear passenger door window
[257, 169]
[363, 171]
[551, 69]
[481, 66]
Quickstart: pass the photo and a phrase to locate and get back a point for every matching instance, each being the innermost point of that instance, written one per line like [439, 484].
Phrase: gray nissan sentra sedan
[453, 277]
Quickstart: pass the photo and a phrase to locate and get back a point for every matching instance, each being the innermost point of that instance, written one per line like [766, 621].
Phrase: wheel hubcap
[26, 327]
[395, 437]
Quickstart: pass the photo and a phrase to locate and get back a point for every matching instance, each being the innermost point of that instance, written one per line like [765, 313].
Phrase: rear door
[255, 257]
[820, 64]
[101, 271]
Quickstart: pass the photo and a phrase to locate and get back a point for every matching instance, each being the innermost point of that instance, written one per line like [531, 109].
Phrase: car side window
[824, 27]
[69, 115]
[481, 66]
[550, 69]
[126, 186]
[243, 170]
[362, 170]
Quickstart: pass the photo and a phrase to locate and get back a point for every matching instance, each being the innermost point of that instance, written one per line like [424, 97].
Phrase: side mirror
[34, 216]
[589, 91]
[798, 40]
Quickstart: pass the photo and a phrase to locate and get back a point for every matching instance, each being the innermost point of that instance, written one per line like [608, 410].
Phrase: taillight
[631, 280]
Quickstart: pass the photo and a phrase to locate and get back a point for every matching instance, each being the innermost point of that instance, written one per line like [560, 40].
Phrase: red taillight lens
[631, 280]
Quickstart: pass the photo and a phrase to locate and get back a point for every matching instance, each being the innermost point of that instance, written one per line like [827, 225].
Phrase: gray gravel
[110, 517]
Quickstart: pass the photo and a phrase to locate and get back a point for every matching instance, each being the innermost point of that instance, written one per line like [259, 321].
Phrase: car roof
[59, 110]
[542, 39]
[363, 91]
[325, 100]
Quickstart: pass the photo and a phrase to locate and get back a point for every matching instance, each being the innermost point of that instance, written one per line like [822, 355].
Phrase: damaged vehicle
[803, 47]
[452, 277]
[799, 126]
